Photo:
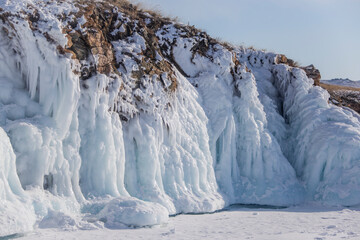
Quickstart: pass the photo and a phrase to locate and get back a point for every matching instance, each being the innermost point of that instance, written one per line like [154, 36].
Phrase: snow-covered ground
[342, 82]
[305, 222]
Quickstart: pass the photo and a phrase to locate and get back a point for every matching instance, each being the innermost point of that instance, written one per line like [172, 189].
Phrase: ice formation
[324, 140]
[216, 125]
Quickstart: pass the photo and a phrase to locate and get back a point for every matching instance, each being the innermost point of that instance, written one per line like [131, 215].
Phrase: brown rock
[310, 70]
[313, 73]
[280, 58]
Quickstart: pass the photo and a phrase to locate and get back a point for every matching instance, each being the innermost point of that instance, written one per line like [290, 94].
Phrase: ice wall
[40, 106]
[73, 155]
[248, 161]
[324, 140]
[16, 212]
[168, 160]
[172, 156]
[38, 101]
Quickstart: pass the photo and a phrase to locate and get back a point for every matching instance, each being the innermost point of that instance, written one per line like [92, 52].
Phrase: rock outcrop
[310, 70]
[313, 73]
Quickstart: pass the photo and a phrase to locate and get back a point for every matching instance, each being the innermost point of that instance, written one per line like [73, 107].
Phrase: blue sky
[325, 33]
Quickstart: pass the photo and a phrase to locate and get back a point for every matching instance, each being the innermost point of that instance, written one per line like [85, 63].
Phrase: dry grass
[224, 43]
[296, 64]
[252, 47]
[330, 87]
[344, 96]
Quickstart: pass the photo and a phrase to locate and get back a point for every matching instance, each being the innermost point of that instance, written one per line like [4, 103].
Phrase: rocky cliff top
[118, 39]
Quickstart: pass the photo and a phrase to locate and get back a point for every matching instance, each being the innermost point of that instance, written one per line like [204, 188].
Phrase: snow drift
[115, 117]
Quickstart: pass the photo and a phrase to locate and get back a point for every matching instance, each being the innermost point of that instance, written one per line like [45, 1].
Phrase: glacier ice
[129, 152]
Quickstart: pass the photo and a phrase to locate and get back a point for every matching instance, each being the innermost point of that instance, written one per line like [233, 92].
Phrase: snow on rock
[126, 118]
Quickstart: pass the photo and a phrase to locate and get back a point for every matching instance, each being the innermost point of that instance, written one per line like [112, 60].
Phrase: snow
[119, 152]
[238, 222]
[124, 212]
[57, 220]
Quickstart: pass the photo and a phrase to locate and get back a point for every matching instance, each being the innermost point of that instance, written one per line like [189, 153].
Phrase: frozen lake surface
[236, 222]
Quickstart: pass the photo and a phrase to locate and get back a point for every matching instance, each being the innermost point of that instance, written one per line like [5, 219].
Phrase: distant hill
[343, 92]
[342, 82]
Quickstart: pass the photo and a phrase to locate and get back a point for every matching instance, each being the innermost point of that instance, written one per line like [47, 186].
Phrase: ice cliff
[113, 116]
